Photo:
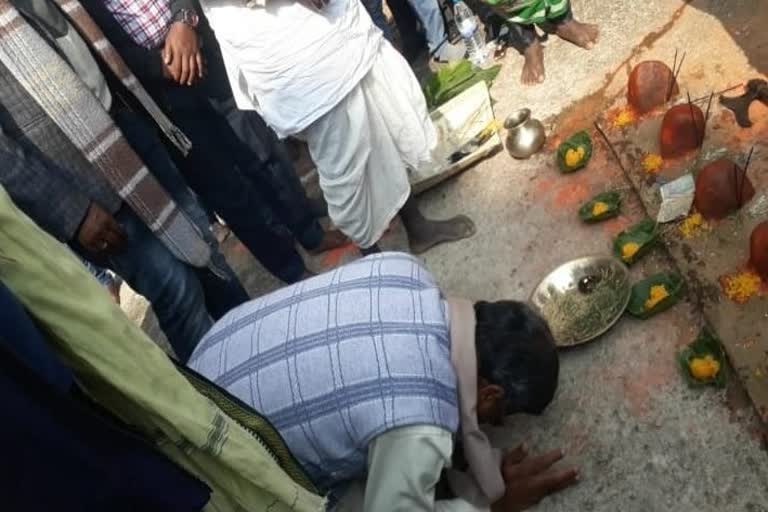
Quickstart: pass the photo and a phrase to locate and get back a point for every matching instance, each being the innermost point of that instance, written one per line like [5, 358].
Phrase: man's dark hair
[516, 350]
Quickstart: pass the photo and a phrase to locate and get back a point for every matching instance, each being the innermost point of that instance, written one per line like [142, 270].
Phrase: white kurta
[292, 63]
[328, 77]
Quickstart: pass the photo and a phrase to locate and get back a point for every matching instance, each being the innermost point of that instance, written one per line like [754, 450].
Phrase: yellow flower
[741, 286]
[658, 293]
[692, 225]
[628, 250]
[625, 117]
[599, 208]
[704, 368]
[652, 162]
[573, 157]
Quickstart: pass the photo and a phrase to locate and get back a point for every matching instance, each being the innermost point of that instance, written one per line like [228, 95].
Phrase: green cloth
[124, 371]
[530, 12]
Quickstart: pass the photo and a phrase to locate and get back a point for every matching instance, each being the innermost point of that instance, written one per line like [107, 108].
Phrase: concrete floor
[643, 439]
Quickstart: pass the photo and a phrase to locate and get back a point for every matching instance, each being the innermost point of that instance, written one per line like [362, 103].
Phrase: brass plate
[575, 314]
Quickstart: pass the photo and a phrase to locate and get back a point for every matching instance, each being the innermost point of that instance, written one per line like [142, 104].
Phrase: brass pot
[526, 135]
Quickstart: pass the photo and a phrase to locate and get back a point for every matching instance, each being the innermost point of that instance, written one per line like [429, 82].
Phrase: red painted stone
[721, 189]
[648, 86]
[682, 130]
[758, 249]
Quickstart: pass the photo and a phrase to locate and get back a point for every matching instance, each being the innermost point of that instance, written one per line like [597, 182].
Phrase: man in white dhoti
[323, 73]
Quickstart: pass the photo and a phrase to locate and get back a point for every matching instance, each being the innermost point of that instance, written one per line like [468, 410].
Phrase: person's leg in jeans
[170, 286]
[431, 18]
[104, 277]
[223, 290]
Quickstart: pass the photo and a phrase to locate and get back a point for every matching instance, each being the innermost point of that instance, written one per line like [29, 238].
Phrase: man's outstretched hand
[182, 56]
[531, 479]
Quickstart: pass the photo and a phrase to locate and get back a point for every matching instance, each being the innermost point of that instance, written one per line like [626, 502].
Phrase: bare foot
[533, 69]
[428, 233]
[583, 35]
[331, 240]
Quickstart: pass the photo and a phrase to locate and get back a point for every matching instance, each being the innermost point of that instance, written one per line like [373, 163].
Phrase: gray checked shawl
[52, 84]
[336, 360]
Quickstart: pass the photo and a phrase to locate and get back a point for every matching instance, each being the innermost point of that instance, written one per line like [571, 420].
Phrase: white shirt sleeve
[404, 466]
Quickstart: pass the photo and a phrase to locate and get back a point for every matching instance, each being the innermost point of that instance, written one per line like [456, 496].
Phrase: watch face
[188, 17]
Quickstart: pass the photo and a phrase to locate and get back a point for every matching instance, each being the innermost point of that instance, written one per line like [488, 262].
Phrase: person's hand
[531, 479]
[181, 54]
[100, 233]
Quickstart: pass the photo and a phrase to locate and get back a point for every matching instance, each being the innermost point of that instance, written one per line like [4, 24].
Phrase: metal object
[757, 89]
[526, 135]
[583, 298]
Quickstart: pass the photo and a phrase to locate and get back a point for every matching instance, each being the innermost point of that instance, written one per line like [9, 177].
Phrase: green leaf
[453, 79]
[611, 199]
[641, 291]
[644, 234]
[707, 343]
[578, 140]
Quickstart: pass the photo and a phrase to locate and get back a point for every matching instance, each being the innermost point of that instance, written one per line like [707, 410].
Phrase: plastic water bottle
[470, 31]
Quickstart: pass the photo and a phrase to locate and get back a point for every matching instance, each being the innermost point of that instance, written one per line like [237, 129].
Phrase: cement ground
[643, 439]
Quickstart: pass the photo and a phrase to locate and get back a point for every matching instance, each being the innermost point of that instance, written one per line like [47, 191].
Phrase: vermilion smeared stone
[682, 130]
[721, 189]
[648, 86]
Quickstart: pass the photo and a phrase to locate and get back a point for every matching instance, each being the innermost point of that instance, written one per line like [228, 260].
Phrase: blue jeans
[185, 299]
[428, 12]
[101, 274]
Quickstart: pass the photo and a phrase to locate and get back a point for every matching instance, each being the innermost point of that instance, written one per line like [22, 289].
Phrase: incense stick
[699, 136]
[613, 150]
[672, 77]
[717, 93]
[709, 107]
[675, 74]
[744, 176]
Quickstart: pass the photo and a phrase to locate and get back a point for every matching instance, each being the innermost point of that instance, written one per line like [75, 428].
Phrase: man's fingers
[516, 455]
[175, 69]
[168, 55]
[553, 481]
[200, 64]
[540, 463]
[184, 71]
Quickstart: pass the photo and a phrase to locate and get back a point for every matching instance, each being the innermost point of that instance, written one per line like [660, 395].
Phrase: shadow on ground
[745, 22]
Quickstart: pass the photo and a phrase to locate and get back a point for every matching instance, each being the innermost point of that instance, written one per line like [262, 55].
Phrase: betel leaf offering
[453, 79]
[632, 243]
[702, 363]
[655, 294]
[574, 153]
[602, 206]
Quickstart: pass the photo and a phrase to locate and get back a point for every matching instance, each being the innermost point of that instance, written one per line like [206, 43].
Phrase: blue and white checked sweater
[336, 360]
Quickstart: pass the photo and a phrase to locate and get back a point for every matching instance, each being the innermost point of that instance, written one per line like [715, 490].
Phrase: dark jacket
[62, 451]
[51, 181]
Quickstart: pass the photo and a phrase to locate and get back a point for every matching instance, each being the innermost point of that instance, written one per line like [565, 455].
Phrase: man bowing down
[369, 372]
[323, 73]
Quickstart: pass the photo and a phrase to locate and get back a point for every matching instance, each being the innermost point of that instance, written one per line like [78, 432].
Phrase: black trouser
[242, 172]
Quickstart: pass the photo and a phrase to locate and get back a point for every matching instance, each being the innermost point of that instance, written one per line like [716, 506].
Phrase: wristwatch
[188, 17]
